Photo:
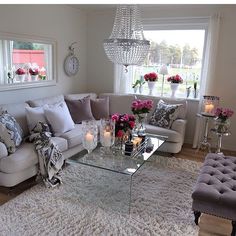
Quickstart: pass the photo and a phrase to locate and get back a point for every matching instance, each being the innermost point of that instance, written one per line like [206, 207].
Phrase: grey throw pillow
[100, 108]
[11, 133]
[80, 109]
[165, 114]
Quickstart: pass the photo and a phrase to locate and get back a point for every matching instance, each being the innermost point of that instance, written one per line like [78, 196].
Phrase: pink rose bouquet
[151, 77]
[175, 79]
[141, 106]
[20, 71]
[123, 123]
[223, 113]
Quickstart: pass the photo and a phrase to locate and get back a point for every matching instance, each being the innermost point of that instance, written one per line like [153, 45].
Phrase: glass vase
[140, 127]
[90, 137]
[222, 126]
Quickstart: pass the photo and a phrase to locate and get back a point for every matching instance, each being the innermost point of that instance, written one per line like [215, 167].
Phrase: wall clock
[71, 63]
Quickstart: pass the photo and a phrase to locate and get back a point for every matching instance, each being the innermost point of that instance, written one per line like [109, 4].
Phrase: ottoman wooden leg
[197, 214]
[233, 233]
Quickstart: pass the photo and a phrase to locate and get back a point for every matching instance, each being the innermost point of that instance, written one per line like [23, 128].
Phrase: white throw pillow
[58, 116]
[34, 115]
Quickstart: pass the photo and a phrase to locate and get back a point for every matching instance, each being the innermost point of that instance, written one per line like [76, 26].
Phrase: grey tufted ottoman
[215, 191]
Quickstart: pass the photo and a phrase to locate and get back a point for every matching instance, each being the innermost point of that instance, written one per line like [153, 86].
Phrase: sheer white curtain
[208, 70]
[123, 79]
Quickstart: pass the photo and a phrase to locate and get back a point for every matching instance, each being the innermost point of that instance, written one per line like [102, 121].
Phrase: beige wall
[100, 70]
[62, 23]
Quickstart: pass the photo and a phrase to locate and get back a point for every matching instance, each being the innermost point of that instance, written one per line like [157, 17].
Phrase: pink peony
[20, 71]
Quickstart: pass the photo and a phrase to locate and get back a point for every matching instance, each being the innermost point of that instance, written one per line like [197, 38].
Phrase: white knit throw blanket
[50, 157]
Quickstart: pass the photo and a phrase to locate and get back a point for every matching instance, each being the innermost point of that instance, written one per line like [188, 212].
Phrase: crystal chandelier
[126, 44]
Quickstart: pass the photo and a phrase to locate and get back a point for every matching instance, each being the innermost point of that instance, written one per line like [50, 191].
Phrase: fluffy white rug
[95, 202]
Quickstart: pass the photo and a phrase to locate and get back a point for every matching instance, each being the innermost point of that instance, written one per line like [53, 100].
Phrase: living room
[88, 26]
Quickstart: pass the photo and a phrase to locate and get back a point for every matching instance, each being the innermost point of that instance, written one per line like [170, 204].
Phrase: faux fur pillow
[11, 133]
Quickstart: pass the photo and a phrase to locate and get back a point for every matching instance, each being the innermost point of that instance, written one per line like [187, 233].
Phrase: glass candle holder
[107, 132]
[90, 135]
[210, 103]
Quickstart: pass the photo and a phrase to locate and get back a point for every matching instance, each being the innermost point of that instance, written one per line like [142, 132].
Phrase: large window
[179, 47]
[26, 62]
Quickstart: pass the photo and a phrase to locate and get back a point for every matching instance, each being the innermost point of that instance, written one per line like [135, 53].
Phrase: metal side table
[204, 144]
[219, 140]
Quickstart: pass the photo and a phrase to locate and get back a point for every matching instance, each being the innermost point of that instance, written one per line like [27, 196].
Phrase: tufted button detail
[221, 191]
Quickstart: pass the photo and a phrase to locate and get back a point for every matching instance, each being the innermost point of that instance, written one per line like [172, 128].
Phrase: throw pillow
[80, 109]
[58, 116]
[34, 115]
[100, 108]
[11, 133]
[165, 114]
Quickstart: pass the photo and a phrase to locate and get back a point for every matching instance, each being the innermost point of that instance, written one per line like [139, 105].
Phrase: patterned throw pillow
[165, 114]
[11, 133]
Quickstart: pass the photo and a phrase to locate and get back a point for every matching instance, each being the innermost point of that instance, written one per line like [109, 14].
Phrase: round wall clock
[71, 63]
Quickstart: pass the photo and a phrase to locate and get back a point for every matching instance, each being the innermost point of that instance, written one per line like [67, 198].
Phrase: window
[26, 62]
[179, 45]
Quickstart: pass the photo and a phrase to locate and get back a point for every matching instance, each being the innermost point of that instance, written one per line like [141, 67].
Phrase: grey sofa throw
[50, 157]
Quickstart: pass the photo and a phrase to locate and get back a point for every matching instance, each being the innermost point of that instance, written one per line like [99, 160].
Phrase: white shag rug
[95, 202]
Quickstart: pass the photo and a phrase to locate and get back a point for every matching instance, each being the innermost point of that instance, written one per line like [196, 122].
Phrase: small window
[26, 62]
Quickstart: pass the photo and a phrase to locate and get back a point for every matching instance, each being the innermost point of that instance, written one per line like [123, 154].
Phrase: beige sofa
[23, 164]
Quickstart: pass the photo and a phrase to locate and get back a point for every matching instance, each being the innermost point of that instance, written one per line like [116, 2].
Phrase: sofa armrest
[179, 126]
[3, 150]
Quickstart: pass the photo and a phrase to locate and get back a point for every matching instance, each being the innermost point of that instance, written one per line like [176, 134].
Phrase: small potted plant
[138, 85]
[174, 80]
[151, 79]
[20, 72]
[34, 73]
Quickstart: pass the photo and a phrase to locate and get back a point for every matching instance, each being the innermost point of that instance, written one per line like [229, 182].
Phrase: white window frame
[183, 23]
[6, 59]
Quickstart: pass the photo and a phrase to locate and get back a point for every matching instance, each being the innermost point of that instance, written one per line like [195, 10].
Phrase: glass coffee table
[116, 161]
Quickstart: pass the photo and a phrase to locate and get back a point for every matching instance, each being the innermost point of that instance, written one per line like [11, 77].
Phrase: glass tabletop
[116, 161]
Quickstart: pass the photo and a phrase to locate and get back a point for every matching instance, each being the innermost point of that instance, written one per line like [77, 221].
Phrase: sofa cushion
[80, 109]
[172, 135]
[17, 110]
[165, 114]
[3, 150]
[48, 100]
[119, 103]
[23, 158]
[100, 108]
[78, 96]
[34, 115]
[74, 136]
[58, 116]
[61, 143]
[11, 133]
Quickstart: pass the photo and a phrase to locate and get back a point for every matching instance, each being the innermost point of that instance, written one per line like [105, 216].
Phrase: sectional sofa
[23, 164]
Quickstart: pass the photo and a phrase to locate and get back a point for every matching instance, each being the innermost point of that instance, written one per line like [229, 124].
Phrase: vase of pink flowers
[151, 79]
[222, 122]
[20, 74]
[140, 108]
[34, 74]
[174, 80]
[124, 123]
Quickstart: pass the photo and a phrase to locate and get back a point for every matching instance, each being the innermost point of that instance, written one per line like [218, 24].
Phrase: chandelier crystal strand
[126, 44]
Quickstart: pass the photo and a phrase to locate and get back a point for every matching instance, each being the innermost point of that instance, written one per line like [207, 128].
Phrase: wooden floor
[209, 225]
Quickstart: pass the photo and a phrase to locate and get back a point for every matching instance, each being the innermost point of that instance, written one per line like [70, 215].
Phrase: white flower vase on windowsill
[20, 78]
[151, 86]
[140, 89]
[174, 88]
[34, 77]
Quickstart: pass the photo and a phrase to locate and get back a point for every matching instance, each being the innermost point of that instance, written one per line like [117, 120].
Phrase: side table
[204, 144]
[219, 140]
